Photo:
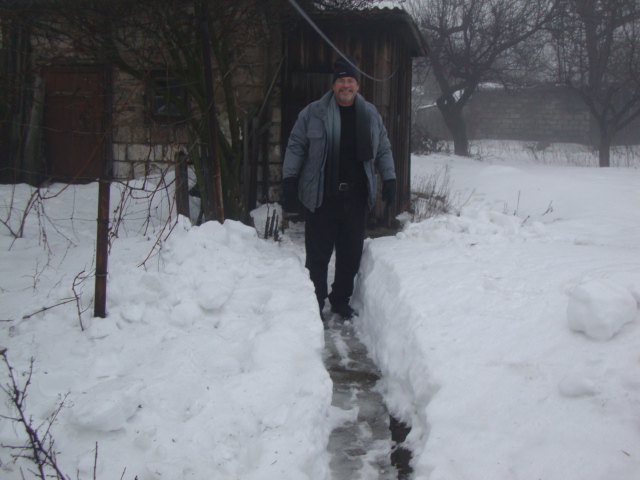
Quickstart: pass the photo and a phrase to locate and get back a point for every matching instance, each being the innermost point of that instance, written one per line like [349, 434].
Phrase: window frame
[157, 97]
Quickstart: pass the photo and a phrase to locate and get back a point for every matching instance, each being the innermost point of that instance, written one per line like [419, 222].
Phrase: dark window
[168, 98]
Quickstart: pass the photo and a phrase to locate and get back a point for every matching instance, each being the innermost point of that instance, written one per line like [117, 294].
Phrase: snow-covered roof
[390, 17]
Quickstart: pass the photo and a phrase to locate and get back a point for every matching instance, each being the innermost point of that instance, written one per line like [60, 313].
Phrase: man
[333, 150]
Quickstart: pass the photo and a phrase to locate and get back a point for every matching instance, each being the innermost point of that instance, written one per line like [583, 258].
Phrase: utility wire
[330, 43]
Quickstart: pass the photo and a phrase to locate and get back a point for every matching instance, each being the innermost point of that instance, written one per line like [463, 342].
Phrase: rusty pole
[102, 249]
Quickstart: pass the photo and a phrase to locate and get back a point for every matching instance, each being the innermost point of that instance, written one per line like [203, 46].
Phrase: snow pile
[600, 308]
[208, 364]
[483, 324]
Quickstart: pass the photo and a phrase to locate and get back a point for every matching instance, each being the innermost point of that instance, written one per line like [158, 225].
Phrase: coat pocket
[317, 142]
[314, 133]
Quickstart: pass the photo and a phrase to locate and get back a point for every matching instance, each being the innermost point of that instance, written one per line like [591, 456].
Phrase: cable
[324, 37]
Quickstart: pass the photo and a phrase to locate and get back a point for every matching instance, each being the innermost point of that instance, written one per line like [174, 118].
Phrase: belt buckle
[343, 187]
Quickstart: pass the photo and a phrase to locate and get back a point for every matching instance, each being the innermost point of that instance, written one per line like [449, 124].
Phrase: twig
[95, 463]
[267, 225]
[77, 297]
[157, 243]
[276, 226]
[44, 309]
[42, 454]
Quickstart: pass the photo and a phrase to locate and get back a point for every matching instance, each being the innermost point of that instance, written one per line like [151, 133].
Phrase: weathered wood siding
[382, 53]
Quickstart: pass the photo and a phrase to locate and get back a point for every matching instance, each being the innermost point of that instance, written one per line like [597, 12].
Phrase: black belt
[343, 187]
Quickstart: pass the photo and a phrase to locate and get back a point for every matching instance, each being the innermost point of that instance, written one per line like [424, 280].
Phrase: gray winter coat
[307, 150]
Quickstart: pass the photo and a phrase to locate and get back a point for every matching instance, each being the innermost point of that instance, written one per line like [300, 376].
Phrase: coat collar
[323, 103]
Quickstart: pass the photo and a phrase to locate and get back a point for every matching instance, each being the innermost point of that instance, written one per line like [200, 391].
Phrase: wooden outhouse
[383, 41]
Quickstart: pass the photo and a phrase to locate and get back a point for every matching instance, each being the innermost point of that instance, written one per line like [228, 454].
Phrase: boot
[344, 310]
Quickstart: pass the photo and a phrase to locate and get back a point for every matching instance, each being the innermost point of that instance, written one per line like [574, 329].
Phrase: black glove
[389, 191]
[289, 194]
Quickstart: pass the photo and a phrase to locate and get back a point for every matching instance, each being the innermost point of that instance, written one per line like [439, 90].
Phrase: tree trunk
[452, 115]
[605, 138]
[212, 120]
[604, 151]
[460, 140]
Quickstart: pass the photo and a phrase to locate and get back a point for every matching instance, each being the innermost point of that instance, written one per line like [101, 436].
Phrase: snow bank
[467, 318]
[208, 365]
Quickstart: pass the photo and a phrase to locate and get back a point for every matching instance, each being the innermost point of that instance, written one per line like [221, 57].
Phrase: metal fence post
[102, 249]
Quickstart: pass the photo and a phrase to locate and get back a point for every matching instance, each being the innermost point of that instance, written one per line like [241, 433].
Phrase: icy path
[361, 442]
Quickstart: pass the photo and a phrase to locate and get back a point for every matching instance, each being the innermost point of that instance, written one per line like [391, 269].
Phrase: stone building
[78, 119]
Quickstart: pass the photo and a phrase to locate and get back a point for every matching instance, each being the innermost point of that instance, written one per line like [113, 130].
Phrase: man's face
[345, 89]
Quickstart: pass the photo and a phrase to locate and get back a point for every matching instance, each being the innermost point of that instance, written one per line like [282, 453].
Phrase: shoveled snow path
[360, 442]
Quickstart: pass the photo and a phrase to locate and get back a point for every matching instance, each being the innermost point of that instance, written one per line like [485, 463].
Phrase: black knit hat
[342, 68]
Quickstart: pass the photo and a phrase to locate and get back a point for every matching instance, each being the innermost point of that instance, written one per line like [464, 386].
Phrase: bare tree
[475, 41]
[340, 4]
[598, 56]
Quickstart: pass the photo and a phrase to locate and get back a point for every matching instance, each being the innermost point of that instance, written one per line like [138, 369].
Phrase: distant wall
[551, 114]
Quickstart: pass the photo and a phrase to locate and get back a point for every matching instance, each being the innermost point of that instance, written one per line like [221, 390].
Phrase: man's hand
[289, 194]
[389, 191]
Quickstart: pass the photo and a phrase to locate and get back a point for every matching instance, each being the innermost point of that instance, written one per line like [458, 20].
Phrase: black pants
[339, 222]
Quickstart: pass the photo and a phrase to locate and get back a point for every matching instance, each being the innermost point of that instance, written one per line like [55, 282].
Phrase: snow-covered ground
[208, 365]
[510, 341]
[507, 331]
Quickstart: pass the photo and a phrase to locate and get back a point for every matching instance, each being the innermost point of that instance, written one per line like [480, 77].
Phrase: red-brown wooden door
[73, 123]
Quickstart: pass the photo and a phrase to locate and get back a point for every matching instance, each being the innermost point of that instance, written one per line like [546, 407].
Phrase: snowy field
[507, 331]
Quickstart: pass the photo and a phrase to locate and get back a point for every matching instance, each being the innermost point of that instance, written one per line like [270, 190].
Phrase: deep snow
[510, 341]
[507, 332]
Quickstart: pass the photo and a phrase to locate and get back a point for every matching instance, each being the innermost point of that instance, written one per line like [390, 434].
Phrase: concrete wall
[550, 114]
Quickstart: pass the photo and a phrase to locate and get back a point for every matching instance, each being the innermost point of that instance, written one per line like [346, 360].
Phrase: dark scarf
[364, 147]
